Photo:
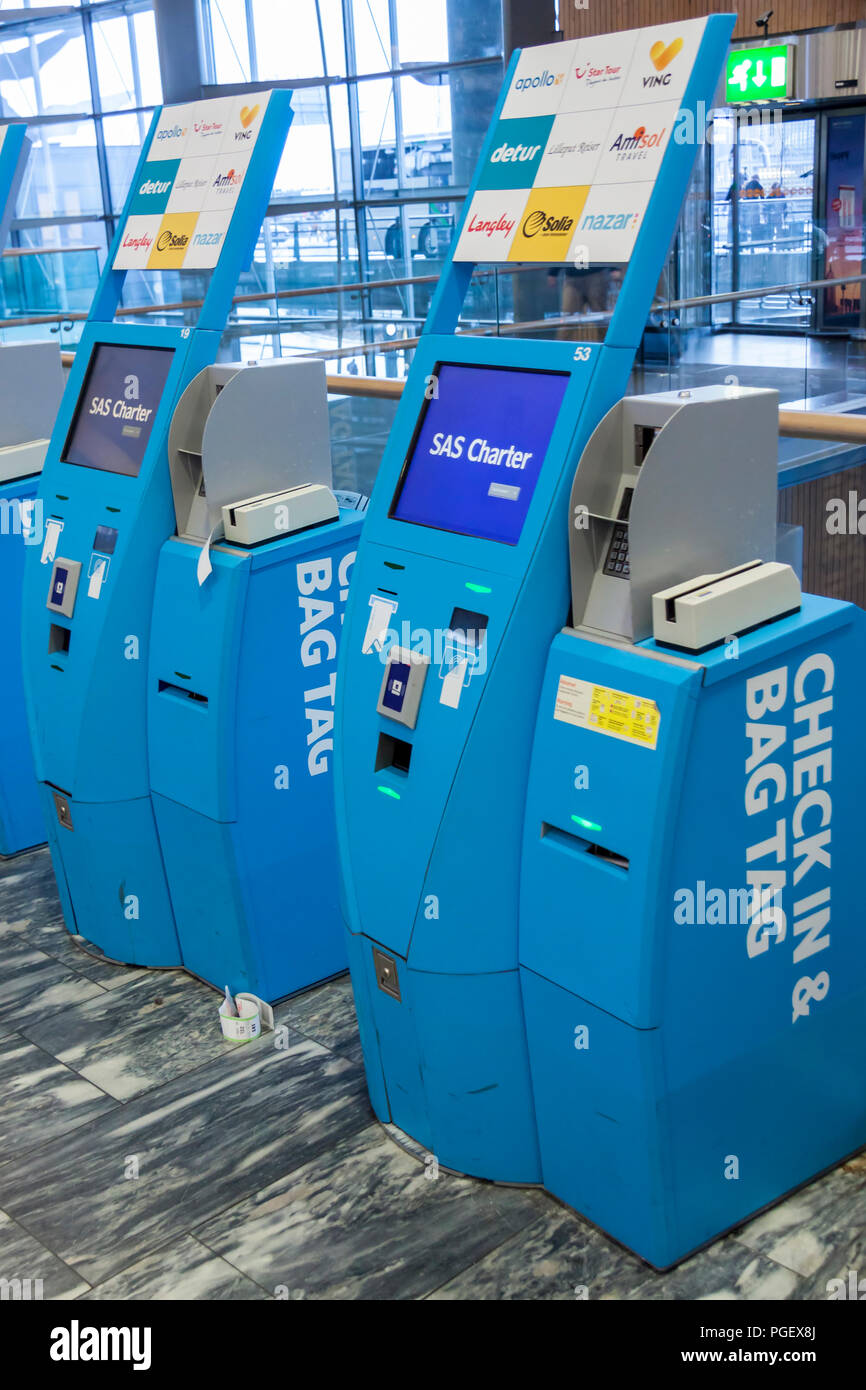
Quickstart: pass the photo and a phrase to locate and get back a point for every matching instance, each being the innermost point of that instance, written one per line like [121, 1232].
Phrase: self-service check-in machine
[461, 582]
[243, 660]
[31, 386]
[196, 201]
[693, 962]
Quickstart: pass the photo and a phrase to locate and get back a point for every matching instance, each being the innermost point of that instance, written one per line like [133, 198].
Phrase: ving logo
[517, 150]
[154, 188]
[661, 56]
[247, 117]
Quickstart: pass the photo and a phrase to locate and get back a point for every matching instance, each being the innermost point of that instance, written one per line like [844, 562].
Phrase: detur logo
[638, 145]
[544, 79]
[661, 56]
[538, 221]
[151, 187]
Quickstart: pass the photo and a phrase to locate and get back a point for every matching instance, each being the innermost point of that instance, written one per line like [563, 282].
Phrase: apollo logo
[544, 79]
[170, 241]
[638, 145]
[609, 221]
[539, 222]
[175, 132]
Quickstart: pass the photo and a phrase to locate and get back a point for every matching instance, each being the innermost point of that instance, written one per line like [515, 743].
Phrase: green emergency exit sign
[759, 74]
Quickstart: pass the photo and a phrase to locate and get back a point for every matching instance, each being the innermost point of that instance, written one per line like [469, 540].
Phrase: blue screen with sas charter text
[479, 451]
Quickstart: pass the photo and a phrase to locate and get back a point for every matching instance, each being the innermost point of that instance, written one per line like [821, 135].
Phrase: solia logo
[171, 241]
[545, 79]
[637, 146]
[248, 115]
[661, 55]
[539, 221]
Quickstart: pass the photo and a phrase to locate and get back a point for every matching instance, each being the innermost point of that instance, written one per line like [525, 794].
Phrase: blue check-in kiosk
[107, 510]
[247, 619]
[460, 584]
[31, 388]
[31, 385]
[693, 960]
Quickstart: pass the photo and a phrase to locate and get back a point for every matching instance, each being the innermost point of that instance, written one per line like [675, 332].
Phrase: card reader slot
[577, 844]
[178, 692]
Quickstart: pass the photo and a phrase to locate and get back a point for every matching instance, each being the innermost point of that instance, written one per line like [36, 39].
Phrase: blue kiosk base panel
[21, 822]
[665, 1171]
[298, 937]
[124, 911]
[442, 1027]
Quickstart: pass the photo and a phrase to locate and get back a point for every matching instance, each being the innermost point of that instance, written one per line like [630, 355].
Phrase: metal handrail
[360, 286]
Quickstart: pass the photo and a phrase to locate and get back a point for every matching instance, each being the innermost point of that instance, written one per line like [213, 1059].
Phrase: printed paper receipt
[606, 711]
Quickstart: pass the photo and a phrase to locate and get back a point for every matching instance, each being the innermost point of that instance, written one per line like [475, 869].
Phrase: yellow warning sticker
[603, 710]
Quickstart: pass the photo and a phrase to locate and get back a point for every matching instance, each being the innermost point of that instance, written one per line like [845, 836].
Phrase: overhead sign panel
[759, 74]
[580, 142]
[188, 186]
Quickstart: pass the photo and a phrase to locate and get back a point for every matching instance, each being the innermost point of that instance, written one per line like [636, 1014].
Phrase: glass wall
[392, 99]
[69, 76]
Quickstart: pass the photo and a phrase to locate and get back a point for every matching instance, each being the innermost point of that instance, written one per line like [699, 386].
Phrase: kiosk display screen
[117, 407]
[478, 451]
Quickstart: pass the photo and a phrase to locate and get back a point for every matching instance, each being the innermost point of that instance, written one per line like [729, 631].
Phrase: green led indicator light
[585, 824]
[389, 791]
[478, 588]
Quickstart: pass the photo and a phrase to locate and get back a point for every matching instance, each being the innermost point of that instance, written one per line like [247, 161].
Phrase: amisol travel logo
[638, 144]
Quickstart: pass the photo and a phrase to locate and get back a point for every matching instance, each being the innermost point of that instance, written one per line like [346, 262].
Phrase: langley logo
[77, 1343]
[137, 243]
[539, 221]
[491, 226]
[171, 241]
[544, 79]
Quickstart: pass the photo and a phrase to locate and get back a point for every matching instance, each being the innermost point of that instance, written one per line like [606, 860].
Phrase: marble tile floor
[144, 1158]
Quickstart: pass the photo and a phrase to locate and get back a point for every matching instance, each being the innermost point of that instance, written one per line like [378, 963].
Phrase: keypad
[616, 561]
